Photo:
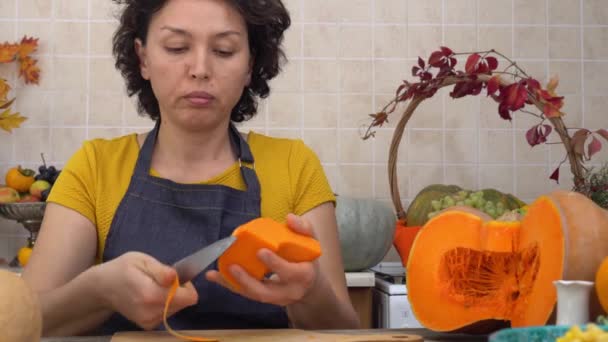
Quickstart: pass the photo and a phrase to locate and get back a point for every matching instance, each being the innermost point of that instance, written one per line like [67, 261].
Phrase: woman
[124, 209]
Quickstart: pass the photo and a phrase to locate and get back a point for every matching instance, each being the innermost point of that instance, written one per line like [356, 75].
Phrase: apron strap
[144, 159]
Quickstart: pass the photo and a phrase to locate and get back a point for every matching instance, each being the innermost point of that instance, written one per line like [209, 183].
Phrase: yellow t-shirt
[96, 178]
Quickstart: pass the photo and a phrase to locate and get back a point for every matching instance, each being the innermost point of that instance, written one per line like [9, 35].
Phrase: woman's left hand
[289, 283]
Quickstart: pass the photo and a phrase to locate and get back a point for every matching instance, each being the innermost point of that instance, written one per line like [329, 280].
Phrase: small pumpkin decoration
[20, 179]
[469, 273]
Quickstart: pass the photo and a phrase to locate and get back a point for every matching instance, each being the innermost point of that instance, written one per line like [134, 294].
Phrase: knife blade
[190, 266]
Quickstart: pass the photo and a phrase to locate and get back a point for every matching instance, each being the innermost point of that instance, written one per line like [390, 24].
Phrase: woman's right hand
[136, 285]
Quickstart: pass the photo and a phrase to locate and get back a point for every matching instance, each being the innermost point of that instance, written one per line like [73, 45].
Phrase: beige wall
[346, 59]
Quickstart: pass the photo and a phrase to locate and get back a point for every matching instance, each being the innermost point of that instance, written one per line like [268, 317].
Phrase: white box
[391, 308]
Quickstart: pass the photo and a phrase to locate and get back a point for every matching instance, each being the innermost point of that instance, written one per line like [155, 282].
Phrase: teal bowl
[547, 333]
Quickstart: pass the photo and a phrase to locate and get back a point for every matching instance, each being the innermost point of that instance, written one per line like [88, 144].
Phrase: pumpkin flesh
[265, 233]
[464, 269]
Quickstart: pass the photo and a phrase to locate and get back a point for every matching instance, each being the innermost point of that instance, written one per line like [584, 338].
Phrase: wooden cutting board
[283, 335]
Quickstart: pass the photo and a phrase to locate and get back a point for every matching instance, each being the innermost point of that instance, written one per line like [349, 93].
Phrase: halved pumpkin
[465, 270]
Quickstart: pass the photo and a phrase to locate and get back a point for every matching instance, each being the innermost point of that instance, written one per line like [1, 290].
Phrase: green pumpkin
[419, 209]
[366, 229]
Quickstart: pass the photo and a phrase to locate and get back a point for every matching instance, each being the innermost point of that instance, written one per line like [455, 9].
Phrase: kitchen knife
[190, 266]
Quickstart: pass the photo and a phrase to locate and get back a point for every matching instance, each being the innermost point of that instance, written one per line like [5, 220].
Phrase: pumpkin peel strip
[172, 292]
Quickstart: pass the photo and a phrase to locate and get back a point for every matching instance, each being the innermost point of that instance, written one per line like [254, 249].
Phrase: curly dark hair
[266, 22]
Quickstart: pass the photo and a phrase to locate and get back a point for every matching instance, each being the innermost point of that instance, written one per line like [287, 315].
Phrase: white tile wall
[346, 59]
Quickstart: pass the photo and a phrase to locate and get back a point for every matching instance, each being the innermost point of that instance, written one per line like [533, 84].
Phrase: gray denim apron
[168, 221]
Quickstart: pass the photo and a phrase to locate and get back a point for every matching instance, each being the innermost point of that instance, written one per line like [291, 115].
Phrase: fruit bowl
[29, 214]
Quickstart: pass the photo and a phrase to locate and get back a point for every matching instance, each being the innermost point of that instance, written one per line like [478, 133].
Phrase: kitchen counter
[428, 335]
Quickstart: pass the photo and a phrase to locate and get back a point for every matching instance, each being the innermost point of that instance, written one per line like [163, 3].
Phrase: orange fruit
[24, 255]
[20, 179]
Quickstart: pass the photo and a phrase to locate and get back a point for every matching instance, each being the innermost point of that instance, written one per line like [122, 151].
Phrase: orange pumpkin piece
[20, 179]
[265, 233]
[470, 274]
[601, 284]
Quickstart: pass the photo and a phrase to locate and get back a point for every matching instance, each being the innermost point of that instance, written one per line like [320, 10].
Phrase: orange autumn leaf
[552, 85]
[9, 121]
[551, 111]
[172, 291]
[29, 70]
[27, 46]
[8, 52]
[4, 89]
[552, 103]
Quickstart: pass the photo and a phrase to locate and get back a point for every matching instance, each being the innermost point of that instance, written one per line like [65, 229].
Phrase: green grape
[436, 205]
[491, 212]
[444, 205]
[499, 205]
[432, 214]
[468, 202]
[499, 212]
[461, 203]
[450, 201]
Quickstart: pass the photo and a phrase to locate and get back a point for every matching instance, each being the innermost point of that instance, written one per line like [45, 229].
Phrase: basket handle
[576, 166]
[393, 152]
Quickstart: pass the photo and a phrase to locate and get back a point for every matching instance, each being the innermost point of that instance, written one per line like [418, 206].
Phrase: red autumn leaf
[415, 70]
[421, 63]
[476, 88]
[482, 68]
[557, 101]
[594, 147]
[532, 136]
[533, 85]
[603, 133]
[538, 134]
[445, 70]
[578, 141]
[551, 111]
[472, 61]
[516, 96]
[464, 88]
[492, 63]
[436, 59]
[412, 90]
[447, 51]
[403, 85]
[453, 61]
[555, 175]
[503, 110]
[493, 84]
